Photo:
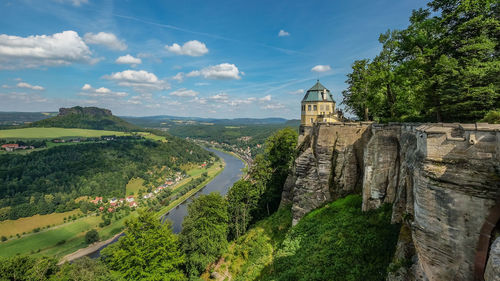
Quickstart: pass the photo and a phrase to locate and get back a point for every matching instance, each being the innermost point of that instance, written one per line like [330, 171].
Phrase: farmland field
[133, 186]
[13, 227]
[44, 133]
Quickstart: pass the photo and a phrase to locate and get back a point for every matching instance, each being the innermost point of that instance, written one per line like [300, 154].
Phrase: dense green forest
[240, 136]
[444, 67]
[49, 180]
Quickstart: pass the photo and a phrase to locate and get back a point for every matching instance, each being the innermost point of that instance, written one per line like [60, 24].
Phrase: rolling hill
[86, 118]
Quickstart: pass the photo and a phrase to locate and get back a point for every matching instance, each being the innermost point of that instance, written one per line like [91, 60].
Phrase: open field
[47, 133]
[133, 186]
[73, 233]
[13, 227]
[51, 133]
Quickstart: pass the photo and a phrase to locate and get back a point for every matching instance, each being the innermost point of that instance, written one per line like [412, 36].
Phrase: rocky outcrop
[493, 268]
[92, 111]
[442, 180]
[330, 165]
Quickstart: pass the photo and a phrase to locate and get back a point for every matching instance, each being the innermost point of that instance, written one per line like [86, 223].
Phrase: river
[221, 183]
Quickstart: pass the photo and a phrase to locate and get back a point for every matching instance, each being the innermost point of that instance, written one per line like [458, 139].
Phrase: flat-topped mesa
[443, 181]
[92, 111]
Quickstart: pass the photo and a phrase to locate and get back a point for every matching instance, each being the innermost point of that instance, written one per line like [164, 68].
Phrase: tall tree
[242, 199]
[148, 251]
[204, 232]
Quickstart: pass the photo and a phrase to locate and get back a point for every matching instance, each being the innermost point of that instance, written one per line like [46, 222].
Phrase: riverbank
[80, 253]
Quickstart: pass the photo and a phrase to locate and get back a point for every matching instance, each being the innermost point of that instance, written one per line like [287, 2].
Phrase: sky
[222, 59]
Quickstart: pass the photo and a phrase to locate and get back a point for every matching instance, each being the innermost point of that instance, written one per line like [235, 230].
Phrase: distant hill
[86, 118]
[21, 118]
[159, 120]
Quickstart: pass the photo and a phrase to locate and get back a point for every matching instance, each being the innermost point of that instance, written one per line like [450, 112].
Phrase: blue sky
[186, 58]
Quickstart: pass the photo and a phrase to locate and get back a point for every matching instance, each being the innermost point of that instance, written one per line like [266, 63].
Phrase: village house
[148, 195]
[113, 200]
[97, 200]
[133, 204]
[10, 146]
[130, 198]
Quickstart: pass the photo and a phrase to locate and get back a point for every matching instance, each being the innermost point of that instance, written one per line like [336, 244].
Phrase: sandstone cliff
[442, 179]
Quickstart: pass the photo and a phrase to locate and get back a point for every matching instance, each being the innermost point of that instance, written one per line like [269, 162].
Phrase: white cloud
[140, 80]
[179, 77]
[128, 59]
[74, 2]
[184, 93]
[105, 38]
[273, 106]
[321, 68]
[266, 98]
[101, 92]
[217, 72]
[199, 100]
[202, 84]
[283, 33]
[86, 87]
[29, 86]
[221, 96]
[193, 48]
[297, 92]
[42, 50]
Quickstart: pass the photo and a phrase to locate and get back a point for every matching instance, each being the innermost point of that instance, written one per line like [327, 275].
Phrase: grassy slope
[335, 242]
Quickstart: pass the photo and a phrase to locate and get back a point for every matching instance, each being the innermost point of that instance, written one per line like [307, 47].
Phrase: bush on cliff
[335, 242]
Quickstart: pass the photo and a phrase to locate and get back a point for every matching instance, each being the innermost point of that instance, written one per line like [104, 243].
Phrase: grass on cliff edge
[335, 242]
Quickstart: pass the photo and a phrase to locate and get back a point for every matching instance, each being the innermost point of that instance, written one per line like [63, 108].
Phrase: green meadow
[51, 133]
[46, 133]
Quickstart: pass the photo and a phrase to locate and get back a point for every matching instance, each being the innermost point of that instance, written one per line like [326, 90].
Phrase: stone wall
[442, 180]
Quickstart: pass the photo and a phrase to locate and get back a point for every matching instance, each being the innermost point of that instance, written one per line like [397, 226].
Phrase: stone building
[317, 106]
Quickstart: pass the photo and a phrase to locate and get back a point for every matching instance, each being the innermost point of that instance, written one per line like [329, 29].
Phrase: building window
[312, 120]
[315, 107]
[309, 108]
[327, 108]
[321, 107]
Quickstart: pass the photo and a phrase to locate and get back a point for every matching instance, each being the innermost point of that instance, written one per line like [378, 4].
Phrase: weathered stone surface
[329, 166]
[442, 179]
[492, 272]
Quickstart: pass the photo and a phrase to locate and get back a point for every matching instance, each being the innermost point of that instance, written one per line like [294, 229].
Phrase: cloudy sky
[185, 58]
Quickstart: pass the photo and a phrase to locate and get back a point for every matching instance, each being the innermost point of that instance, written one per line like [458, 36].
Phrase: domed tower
[317, 106]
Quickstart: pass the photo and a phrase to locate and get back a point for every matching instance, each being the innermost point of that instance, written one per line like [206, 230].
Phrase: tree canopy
[204, 232]
[443, 67]
[148, 251]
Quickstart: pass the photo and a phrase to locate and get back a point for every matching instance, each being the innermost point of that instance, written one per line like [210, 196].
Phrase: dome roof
[318, 92]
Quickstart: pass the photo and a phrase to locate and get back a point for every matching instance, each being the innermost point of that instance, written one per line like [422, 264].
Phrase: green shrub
[492, 117]
[91, 236]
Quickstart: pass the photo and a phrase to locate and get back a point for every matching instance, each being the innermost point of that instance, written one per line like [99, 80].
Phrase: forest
[50, 180]
[443, 67]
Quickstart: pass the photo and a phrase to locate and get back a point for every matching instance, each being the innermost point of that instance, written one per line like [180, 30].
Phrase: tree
[91, 236]
[279, 155]
[27, 268]
[242, 199]
[204, 232]
[148, 251]
[442, 67]
[85, 269]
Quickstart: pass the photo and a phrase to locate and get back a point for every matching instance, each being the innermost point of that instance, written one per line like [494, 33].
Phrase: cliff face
[442, 179]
